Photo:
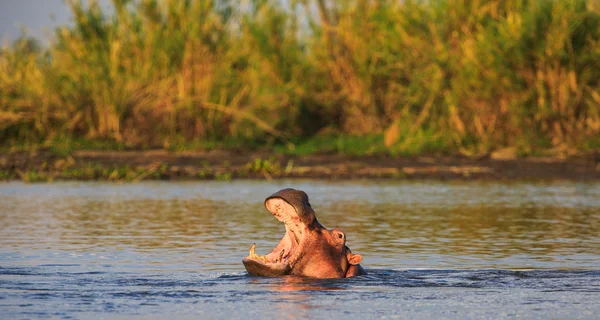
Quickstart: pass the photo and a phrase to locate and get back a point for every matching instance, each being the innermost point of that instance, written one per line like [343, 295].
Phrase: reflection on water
[153, 247]
[425, 225]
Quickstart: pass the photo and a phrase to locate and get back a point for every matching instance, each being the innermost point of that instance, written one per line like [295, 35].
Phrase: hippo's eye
[340, 235]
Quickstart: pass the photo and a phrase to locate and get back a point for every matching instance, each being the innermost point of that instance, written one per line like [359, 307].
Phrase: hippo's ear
[354, 259]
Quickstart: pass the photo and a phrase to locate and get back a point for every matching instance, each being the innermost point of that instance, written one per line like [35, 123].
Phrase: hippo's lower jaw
[257, 268]
[261, 266]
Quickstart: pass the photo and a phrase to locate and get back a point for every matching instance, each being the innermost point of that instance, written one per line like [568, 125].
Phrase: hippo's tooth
[253, 255]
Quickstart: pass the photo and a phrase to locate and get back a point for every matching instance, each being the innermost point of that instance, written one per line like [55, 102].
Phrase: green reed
[419, 76]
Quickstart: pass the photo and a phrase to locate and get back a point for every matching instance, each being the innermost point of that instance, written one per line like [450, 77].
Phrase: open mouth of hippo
[281, 259]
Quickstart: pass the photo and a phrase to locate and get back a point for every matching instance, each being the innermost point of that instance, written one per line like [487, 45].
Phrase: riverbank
[133, 166]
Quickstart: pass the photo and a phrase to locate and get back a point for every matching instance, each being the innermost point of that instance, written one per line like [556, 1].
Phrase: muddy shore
[43, 165]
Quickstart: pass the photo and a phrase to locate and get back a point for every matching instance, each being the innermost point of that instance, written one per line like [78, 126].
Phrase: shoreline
[134, 166]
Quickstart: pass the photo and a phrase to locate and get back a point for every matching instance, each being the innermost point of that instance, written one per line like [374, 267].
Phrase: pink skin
[307, 248]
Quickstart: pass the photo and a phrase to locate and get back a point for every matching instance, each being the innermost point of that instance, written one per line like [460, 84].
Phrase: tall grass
[425, 76]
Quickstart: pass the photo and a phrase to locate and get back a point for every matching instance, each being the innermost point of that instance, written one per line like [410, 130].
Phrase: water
[432, 250]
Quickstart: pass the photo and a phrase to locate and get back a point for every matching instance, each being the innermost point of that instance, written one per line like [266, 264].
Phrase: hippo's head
[307, 248]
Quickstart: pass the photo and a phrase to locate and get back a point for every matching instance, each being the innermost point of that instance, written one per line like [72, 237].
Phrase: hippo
[307, 249]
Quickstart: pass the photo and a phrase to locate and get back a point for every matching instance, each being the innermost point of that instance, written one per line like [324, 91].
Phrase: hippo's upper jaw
[307, 248]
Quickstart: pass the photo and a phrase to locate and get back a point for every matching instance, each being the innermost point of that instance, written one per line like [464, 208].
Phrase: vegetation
[359, 76]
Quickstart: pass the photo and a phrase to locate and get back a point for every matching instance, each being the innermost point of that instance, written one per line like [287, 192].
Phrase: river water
[432, 250]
